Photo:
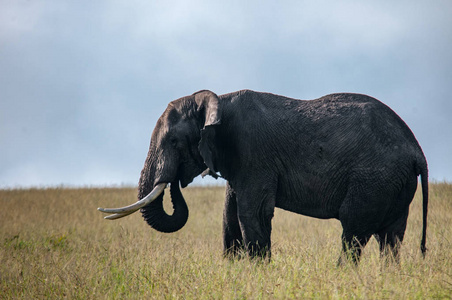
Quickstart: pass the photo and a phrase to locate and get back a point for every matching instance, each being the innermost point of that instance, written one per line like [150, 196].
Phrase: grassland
[54, 245]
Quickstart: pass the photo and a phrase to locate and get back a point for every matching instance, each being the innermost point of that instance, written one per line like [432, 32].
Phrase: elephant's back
[365, 131]
[358, 114]
[341, 128]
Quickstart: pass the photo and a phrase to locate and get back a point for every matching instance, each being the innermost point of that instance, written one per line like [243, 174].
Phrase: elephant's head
[180, 150]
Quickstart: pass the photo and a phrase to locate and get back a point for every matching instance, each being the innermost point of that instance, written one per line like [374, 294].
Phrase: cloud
[18, 18]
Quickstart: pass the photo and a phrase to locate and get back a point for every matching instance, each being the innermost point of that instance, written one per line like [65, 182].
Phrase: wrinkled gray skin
[342, 156]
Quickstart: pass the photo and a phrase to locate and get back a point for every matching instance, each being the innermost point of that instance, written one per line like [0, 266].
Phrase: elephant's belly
[311, 202]
[315, 212]
[315, 196]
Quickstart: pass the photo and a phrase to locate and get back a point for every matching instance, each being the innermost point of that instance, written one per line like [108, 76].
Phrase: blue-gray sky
[82, 83]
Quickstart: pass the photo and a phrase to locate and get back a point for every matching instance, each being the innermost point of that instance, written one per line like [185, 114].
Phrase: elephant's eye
[173, 141]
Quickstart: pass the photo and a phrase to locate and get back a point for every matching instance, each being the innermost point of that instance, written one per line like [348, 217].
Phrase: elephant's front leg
[232, 235]
[255, 212]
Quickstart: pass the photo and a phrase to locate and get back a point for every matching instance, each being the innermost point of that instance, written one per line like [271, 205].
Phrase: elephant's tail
[424, 183]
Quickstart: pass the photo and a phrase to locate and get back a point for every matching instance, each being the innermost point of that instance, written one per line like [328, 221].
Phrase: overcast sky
[82, 83]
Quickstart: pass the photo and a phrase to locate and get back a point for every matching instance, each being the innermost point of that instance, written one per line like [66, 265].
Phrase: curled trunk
[157, 218]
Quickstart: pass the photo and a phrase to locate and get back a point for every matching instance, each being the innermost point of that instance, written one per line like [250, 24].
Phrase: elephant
[344, 156]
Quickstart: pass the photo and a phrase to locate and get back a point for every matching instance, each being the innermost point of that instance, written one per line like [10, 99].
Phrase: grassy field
[54, 245]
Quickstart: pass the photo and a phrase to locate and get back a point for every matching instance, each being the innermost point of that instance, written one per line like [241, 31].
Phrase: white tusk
[127, 210]
[120, 215]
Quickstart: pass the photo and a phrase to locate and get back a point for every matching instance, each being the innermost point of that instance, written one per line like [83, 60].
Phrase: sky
[82, 83]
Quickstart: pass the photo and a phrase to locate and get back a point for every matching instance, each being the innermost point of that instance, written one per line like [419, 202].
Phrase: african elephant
[343, 156]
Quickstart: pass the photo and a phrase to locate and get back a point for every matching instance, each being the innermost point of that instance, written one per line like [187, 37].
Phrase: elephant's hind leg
[232, 235]
[360, 215]
[391, 237]
[352, 247]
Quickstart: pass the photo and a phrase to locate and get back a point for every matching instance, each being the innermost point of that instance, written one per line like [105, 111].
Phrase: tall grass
[54, 244]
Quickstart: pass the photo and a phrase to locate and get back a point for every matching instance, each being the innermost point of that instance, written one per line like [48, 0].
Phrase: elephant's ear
[210, 106]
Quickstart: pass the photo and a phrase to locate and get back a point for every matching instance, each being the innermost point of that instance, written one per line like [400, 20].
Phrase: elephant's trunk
[157, 218]
[161, 167]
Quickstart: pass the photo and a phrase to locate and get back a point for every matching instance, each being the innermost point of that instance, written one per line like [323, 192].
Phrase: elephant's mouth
[187, 172]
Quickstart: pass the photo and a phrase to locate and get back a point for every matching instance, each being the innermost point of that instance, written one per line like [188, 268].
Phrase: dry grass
[54, 244]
